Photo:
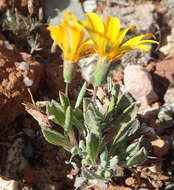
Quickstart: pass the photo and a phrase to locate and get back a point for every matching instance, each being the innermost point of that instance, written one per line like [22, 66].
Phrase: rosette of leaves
[104, 139]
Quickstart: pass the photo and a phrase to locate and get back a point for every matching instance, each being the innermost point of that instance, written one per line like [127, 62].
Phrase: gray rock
[24, 66]
[138, 82]
[90, 5]
[73, 6]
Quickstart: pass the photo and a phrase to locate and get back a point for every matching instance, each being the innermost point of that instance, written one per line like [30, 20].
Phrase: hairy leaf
[54, 109]
[64, 100]
[138, 158]
[93, 146]
[92, 121]
[81, 95]
[56, 138]
[68, 119]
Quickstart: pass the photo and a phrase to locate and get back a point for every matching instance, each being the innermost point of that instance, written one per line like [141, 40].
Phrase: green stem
[66, 88]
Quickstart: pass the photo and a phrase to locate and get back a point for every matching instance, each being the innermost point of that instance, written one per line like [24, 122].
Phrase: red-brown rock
[160, 147]
[163, 75]
[17, 72]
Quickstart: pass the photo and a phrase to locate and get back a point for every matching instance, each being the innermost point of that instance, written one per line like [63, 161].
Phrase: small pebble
[28, 82]
[24, 66]
[90, 5]
[8, 45]
[160, 147]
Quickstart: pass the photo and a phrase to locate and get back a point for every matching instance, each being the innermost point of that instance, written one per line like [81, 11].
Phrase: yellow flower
[108, 38]
[70, 37]
[109, 43]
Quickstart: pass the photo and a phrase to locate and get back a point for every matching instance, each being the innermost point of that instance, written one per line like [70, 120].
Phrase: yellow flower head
[70, 37]
[108, 38]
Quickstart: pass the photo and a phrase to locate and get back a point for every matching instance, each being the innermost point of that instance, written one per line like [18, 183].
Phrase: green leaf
[93, 120]
[133, 148]
[88, 174]
[134, 127]
[78, 124]
[111, 105]
[77, 120]
[114, 161]
[81, 95]
[104, 154]
[107, 173]
[115, 90]
[86, 102]
[68, 119]
[127, 117]
[122, 126]
[124, 101]
[138, 158]
[56, 138]
[82, 145]
[78, 113]
[93, 146]
[64, 100]
[104, 157]
[55, 109]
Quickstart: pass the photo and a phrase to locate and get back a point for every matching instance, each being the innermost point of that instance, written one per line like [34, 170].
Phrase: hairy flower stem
[66, 88]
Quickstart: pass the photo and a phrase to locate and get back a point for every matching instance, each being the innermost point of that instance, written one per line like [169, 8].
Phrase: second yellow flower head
[108, 37]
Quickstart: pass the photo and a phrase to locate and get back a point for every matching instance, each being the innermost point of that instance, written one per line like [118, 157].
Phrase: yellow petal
[57, 34]
[54, 31]
[64, 38]
[143, 47]
[114, 55]
[95, 22]
[69, 18]
[148, 42]
[137, 39]
[76, 36]
[86, 48]
[112, 28]
[95, 28]
[123, 33]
